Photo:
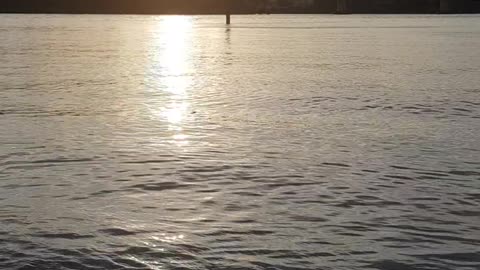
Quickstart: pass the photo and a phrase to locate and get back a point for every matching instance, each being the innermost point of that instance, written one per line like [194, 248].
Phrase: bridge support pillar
[445, 6]
[343, 7]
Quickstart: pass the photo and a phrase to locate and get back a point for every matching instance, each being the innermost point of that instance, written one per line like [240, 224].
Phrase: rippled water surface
[281, 142]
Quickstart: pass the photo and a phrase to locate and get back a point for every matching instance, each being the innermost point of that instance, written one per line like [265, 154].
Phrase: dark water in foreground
[283, 142]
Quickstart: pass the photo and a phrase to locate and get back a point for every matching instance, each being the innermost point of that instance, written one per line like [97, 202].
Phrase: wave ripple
[160, 142]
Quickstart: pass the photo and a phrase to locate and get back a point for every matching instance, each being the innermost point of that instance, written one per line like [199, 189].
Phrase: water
[282, 142]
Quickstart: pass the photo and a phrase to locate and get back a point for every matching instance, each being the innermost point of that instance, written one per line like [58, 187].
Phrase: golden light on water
[173, 60]
[175, 112]
[169, 238]
[176, 37]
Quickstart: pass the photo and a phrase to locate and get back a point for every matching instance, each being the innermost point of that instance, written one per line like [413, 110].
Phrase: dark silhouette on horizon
[238, 6]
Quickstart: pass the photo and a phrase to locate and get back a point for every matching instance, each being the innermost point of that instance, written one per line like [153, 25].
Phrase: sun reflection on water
[175, 34]
[169, 238]
[173, 58]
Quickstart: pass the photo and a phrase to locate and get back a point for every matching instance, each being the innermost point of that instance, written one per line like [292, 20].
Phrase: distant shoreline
[220, 14]
[218, 7]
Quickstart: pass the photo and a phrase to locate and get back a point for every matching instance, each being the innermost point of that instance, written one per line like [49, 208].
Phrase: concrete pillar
[446, 6]
[343, 7]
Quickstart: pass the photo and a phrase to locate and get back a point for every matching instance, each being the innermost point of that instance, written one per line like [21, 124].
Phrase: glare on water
[171, 43]
[280, 142]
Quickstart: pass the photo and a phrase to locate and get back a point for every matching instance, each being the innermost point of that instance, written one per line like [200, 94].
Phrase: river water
[280, 142]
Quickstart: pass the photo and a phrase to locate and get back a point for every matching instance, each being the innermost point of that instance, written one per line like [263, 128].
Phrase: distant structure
[445, 6]
[376, 6]
[291, 3]
[371, 6]
[343, 7]
[239, 6]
